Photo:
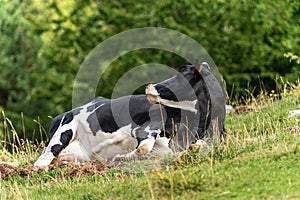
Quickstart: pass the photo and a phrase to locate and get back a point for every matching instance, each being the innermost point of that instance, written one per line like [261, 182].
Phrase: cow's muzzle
[152, 94]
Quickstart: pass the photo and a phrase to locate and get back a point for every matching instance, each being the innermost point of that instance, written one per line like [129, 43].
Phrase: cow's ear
[195, 71]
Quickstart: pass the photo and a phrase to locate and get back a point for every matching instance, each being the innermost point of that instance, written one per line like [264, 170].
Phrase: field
[259, 159]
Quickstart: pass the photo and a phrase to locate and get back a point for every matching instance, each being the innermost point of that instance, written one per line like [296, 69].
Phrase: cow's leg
[74, 152]
[146, 137]
[201, 146]
[61, 138]
[143, 148]
[161, 146]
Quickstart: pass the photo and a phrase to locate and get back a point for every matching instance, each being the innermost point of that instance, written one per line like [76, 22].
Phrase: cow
[194, 100]
[179, 109]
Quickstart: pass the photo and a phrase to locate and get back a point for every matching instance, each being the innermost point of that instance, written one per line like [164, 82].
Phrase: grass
[259, 160]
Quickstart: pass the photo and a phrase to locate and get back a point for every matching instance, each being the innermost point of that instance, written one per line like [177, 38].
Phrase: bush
[43, 44]
[247, 39]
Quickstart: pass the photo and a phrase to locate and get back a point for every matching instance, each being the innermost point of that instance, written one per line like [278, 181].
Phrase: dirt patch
[244, 109]
[83, 169]
[7, 169]
[73, 170]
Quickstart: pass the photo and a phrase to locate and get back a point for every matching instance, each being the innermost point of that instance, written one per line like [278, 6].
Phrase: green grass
[260, 159]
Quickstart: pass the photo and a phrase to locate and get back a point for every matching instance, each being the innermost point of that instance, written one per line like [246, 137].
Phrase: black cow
[200, 102]
[132, 126]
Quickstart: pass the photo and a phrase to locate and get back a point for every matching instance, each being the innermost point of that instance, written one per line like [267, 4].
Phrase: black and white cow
[179, 109]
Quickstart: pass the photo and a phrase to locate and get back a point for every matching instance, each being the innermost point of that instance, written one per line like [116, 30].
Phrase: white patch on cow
[148, 130]
[149, 147]
[111, 144]
[133, 132]
[144, 147]
[161, 146]
[184, 105]
[75, 152]
[147, 144]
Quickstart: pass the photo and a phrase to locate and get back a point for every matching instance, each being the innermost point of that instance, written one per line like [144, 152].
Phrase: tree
[19, 58]
[246, 39]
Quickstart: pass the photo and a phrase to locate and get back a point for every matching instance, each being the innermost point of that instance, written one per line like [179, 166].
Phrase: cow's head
[181, 88]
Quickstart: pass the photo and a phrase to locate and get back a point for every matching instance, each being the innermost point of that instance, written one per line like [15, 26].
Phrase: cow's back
[111, 115]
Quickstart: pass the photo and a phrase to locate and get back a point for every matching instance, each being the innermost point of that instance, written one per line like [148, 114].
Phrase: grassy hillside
[260, 159]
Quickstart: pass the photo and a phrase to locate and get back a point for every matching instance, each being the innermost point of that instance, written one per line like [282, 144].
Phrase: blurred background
[43, 43]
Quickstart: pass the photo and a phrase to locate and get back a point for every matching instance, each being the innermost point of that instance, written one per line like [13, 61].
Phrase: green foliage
[23, 87]
[247, 39]
[18, 57]
[22, 71]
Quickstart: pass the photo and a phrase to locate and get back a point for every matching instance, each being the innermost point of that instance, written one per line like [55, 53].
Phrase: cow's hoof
[200, 144]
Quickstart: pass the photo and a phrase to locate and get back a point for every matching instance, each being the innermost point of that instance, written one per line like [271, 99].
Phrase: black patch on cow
[165, 92]
[188, 85]
[67, 118]
[76, 111]
[204, 108]
[65, 140]
[102, 119]
[180, 87]
[93, 123]
[139, 108]
[139, 140]
[174, 116]
[216, 101]
[56, 149]
[54, 126]
[140, 118]
[66, 137]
